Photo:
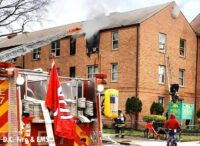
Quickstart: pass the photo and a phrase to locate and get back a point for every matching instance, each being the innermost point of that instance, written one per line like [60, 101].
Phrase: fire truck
[24, 118]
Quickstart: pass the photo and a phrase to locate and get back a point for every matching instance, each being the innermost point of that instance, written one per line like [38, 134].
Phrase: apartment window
[162, 42]
[181, 77]
[114, 72]
[72, 46]
[55, 48]
[161, 100]
[92, 70]
[161, 74]
[115, 40]
[36, 54]
[72, 71]
[182, 47]
[14, 60]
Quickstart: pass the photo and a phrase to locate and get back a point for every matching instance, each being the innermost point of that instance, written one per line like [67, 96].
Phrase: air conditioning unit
[95, 49]
[37, 56]
[161, 46]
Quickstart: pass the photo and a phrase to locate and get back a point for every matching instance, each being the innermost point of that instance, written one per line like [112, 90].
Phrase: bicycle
[171, 138]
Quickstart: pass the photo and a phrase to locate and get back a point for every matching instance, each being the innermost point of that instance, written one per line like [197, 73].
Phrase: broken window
[55, 48]
[92, 43]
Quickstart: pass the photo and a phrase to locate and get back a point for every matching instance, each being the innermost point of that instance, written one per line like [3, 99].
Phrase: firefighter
[120, 124]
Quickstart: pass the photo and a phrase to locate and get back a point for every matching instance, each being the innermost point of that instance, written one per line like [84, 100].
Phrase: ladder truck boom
[30, 46]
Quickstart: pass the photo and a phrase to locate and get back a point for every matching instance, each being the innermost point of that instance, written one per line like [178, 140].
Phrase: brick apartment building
[196, 26]
[132, 51]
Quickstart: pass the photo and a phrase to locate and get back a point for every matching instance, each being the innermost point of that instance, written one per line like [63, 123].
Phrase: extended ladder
[168, 72]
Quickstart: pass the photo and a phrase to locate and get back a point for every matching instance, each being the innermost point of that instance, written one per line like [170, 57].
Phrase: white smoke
[175, 12]
[97, 12]
[92, 26]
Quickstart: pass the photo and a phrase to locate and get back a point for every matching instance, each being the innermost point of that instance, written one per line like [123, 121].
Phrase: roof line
[167, 4]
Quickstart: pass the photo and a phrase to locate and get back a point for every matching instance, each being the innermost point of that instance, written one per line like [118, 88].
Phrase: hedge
[156, 118]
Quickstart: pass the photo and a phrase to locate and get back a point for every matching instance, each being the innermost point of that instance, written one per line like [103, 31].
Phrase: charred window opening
[72, 46]
[92, 44]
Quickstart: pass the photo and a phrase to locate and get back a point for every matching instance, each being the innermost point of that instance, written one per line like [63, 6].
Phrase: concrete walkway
[132, 141]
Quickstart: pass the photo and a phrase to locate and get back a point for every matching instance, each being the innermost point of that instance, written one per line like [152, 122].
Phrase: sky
[61, 12]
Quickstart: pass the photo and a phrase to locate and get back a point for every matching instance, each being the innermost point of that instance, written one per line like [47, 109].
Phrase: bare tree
[16, 14]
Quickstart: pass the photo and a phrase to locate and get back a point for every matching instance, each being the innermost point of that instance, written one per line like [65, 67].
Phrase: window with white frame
[162, 42]
[182, 47]
[115, 40]
[181, 77]
[55, 48]
[92, 70]
[114, 72]
[161, 74]
[36, 54]
[161, 100]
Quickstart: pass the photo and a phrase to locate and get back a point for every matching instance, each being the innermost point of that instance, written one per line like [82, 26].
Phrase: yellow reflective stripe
[4, 108]
[4, 84]
[78, 131]
[4, 128]
[75, 144]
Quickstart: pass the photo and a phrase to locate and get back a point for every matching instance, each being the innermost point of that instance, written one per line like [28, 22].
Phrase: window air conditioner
[161, 46]
[37, 56]
[95, 49]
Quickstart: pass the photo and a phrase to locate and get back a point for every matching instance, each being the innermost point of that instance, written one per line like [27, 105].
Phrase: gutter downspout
[197, 57]
[137, 61]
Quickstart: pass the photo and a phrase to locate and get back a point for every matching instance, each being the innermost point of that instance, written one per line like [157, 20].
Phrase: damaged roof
[117, 19]
[196, 24]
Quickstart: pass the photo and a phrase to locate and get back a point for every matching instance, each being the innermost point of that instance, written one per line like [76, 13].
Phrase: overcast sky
[62, 12]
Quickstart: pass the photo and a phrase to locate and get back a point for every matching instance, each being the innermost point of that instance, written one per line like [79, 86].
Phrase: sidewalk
[135, 141]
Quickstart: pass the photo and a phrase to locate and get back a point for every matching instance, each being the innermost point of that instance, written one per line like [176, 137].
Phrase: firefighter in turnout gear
[120, 124]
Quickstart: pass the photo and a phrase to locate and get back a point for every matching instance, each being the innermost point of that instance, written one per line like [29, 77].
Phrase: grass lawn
[137, 133]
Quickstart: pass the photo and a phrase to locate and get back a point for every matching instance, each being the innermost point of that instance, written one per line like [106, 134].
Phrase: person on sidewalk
[120, 124]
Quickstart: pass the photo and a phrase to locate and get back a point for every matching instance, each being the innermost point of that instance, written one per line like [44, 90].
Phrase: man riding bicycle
[172, 125]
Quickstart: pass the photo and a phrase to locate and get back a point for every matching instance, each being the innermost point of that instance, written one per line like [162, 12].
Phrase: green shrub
[156, 108]
[156, 118]
[198, 113]
[198, 121]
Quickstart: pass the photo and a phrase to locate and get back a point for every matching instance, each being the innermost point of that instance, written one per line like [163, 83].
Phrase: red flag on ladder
[64, 123]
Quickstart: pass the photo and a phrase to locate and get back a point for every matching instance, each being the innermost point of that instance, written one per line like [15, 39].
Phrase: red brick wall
[124, 56]
[150, 57]
[198, 77]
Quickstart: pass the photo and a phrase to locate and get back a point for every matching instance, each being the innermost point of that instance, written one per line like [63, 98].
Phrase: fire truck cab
[24, 119]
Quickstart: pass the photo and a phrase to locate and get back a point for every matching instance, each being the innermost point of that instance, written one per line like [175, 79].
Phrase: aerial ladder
[30, 46]
[172, 88]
